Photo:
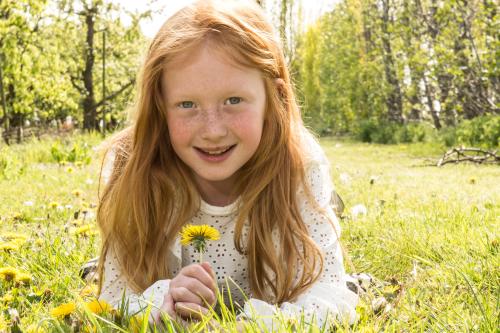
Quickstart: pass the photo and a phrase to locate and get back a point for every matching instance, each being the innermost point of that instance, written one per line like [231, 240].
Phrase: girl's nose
[214, 127]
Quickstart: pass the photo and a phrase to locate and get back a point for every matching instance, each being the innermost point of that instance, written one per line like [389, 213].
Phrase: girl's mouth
[215, 156]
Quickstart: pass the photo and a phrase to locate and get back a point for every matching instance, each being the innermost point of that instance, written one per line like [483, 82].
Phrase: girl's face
[215, 115]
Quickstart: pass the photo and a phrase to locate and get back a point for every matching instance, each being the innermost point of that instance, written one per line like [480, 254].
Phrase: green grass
[430, 237]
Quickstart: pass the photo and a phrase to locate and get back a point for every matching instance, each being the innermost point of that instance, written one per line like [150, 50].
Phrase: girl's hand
[191, 291]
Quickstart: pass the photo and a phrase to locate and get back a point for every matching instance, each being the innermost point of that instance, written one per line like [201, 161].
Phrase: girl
[218, 140]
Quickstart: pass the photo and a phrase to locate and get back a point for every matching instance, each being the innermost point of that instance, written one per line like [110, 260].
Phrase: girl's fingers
[193, 291]
[190, 310]
[167, 307]
[209, 270]
[199, 272]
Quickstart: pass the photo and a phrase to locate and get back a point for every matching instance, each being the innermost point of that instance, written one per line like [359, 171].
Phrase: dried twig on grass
[475, 155]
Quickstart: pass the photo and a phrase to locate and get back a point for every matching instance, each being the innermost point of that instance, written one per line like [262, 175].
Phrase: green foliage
[76, 153]
[42, 76]
[440, 56]
[386, 132]
[477, 132]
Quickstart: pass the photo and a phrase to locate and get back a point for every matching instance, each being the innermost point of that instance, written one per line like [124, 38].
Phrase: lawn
[429, 236]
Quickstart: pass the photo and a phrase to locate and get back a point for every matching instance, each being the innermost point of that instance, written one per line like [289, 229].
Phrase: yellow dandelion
[77, 193]
[63, 310]
[9, 246]
[23, 278]
[135, 324]
[13, 236]
[39, 241]
[197, 235]
[53, 204]
[8, 273]
[472, 180]
[69, 170]
[7, 298]
[85, 230]
[98, 307]
[3, 324]
[89, 290]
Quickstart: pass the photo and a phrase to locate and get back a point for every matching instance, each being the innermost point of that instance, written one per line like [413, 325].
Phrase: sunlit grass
[429, 237]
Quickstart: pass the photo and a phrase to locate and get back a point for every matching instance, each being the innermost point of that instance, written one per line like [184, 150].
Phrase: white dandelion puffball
[345, 178]
[358, 210]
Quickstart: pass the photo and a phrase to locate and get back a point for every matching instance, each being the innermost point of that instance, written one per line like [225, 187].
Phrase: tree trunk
[472, 93]
[429, 93]
[413, 94]
[5, 116]
[89, 109]
[394, 99]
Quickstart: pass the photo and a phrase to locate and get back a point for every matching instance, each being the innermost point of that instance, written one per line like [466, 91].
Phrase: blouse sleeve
[328, 299]
[115, 289]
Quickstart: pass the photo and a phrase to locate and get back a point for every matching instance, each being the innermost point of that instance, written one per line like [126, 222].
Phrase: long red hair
[151, 194]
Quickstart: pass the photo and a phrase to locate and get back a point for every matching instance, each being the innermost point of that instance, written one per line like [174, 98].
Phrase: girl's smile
[215, 115]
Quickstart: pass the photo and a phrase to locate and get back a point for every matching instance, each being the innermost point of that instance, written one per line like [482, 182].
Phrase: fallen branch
[475, 155]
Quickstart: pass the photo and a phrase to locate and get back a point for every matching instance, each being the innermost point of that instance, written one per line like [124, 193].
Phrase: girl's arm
[117, 293]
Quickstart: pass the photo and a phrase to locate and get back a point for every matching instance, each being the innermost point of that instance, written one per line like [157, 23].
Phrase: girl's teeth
[216, 152]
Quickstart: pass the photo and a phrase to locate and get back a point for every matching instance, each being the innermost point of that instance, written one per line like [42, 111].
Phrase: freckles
[181, 129]
[248, 123]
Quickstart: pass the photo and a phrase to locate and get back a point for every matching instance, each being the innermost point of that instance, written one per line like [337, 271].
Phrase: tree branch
[75, 84]
[116, 93]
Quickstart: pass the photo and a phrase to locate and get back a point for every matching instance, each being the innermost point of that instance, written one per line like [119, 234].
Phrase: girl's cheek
[248, 121]
[181, 128]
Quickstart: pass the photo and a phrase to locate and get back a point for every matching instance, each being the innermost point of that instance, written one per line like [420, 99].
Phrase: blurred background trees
[381, 70]
[377, 68]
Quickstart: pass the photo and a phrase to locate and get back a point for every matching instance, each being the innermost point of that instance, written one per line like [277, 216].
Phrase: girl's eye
[233, 100]
[186, 105]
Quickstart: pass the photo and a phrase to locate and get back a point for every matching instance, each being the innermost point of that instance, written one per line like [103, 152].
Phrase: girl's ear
[280, 85]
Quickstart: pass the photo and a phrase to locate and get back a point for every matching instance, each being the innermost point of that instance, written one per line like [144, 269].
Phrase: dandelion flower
[357, 210]
[8, 273]
[472, 180]
[345, 178]
[3, 324]
[197, 235]
[7, 299]
[63, 310]
[9, 246]
[13, 236]
[98, 307]
[89, 290]
[53, 204]
[23, 278]
[69, 170]
[85, 230]
[77, 193]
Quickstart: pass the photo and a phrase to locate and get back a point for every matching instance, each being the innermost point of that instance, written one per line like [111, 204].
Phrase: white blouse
[328, 298]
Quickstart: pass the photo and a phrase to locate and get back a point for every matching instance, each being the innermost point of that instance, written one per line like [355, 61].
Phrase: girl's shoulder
[317, 168]
[311, 148]
[115, 147]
